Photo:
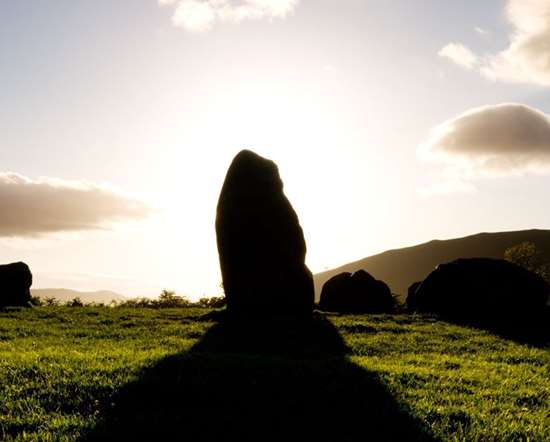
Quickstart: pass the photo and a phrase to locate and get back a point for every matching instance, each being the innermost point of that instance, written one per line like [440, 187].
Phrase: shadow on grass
[533, 329]
[281, 380]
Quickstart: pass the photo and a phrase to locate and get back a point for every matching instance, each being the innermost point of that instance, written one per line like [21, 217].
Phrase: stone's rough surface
[334, 291]
[260, 243]
[357, 293]
[15, 284]
[482, 289]
[411, 295]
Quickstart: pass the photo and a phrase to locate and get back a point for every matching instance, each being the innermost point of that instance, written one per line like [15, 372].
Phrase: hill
[399, 268]
[64, 295]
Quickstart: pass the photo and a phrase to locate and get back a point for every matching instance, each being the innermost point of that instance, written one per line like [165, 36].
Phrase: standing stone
[260, 243]
[15, 284]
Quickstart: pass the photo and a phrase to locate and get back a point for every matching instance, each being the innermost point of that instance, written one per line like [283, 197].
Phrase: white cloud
[195, 16]
[459, 54]
[490, 141]
[202, 15]
[32, 208]
[481, 31]
[527, 57]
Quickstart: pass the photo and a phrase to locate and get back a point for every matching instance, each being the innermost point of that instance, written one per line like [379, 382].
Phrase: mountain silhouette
[399, 268]
[64, 295]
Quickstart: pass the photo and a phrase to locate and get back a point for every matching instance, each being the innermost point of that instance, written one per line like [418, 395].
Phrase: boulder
[333, 290]
[356, 293]
[15, 284]
[261, 245]
[482, 289]
[411, 295]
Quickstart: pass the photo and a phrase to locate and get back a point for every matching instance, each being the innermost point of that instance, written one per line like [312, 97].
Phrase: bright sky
[393, 122]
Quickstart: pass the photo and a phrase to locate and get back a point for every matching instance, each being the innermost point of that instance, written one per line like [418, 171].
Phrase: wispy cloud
[32, 208]
[491, 141]
[527, 57]
[203, 15]
[459, 54]
[481, 31]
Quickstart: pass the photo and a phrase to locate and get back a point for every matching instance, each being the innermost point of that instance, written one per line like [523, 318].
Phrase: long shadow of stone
[533, 330]
[263, 382]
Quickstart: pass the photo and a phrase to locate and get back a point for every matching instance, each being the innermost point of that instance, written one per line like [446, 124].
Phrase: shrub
[36, 301]
[529, 257]
[51, 301]
[214, 302]
[169, 299]
[75, 302]
[135, 303]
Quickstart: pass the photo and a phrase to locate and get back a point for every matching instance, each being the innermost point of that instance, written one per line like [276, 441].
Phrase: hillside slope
[401, 267]
[64, 295]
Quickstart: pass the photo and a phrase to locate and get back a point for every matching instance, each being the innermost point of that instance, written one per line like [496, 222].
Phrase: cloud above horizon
[202, 15]
[33, 208]
[527, 58]
[459, 54]
[490, 141]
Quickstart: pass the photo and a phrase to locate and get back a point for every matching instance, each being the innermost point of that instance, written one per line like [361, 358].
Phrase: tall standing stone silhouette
[260, 242]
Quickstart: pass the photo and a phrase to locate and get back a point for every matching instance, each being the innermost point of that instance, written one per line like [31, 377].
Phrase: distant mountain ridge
[63, 295]
[399, 268]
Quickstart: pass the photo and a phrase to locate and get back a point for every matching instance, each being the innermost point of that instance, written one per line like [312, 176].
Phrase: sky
[392, 123]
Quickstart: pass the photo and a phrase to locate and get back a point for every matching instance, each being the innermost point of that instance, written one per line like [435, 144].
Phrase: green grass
[92, 373]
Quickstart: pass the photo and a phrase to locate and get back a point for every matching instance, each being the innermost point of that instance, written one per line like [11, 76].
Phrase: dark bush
[50, 301]
[214, 302]
[36, 301]
[75, 302]
[137, 303]
[527, 255]
[169, 299]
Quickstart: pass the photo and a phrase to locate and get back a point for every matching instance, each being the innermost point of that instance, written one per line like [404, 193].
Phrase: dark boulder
[15, 284]
[357, 293]
[260, 243]
[411, 295]
[333, 290]
[483, 289]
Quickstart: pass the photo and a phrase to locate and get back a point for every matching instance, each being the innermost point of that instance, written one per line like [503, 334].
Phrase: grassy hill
[401, 267]
[64, 295]
[98, 373]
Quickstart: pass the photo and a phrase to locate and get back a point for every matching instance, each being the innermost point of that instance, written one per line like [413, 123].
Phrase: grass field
[97, 373]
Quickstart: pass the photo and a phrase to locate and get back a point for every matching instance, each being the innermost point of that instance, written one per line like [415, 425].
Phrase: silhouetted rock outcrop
[411, 295]
[357, 293]
[15, 284]
[260, 243]
[483, 290]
